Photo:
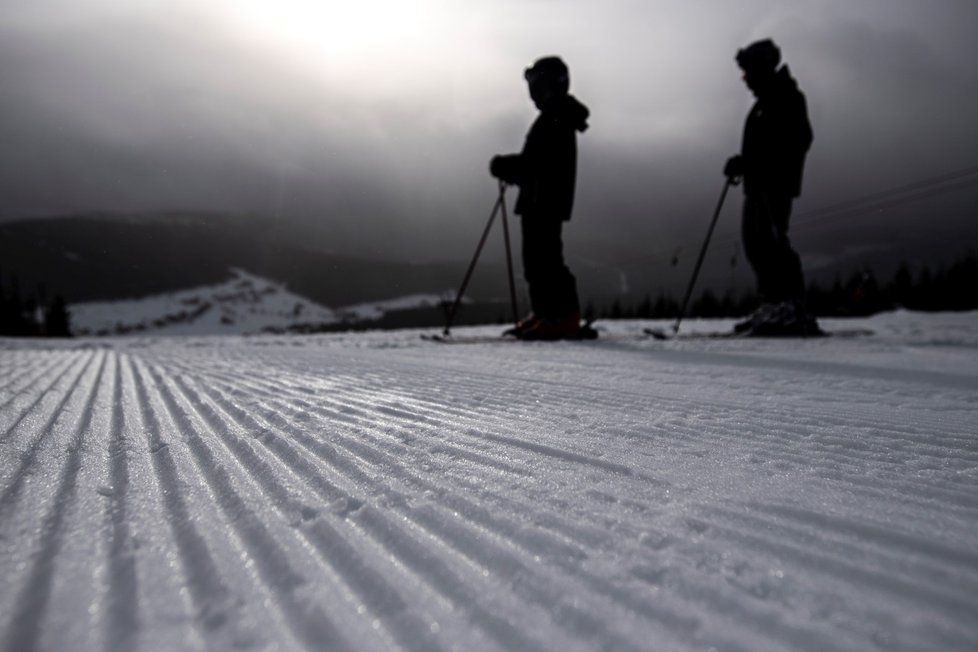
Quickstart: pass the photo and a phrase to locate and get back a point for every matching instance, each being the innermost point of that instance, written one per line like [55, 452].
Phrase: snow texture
[372, 491]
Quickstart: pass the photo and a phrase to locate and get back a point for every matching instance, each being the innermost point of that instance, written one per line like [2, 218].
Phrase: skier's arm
[734, 169]
[508, 168]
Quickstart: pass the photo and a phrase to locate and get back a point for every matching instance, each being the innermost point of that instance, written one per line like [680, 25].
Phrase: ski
[494, 339]
[587, 334]
[466, 339]
[653, 333]
[661, 334]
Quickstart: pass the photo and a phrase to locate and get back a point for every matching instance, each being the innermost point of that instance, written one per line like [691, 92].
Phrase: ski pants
[765, 234]
[553, 289]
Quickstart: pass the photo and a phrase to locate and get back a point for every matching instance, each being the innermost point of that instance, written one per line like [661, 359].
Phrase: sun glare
[343, 30]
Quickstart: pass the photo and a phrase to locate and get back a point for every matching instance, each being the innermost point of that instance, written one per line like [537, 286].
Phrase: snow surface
[373, 491]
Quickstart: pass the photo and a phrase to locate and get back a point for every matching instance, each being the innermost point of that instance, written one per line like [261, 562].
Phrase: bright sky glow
[360, 43]
[341, 29]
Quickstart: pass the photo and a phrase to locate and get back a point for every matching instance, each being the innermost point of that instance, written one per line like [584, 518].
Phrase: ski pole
[509, 257]
[731, 181]
[478, 250]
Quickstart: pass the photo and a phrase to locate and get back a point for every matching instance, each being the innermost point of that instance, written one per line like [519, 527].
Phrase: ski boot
[521, 326]
[785, 319]
[548, 330]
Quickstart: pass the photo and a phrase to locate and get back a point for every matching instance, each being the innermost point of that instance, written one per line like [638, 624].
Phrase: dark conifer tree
[58, 318]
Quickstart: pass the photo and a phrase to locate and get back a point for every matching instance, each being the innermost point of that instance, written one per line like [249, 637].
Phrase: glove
[506, 168]
[495, 166]
[734, 169]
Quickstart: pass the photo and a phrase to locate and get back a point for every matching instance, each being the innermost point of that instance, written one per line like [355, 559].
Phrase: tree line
[32, 315]
[927, 289]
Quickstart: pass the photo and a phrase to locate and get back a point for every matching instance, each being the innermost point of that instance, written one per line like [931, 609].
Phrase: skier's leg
[553, 289]
[534, 267]
[791, 282]
[566, 303]
[779, 273]
[758, 235]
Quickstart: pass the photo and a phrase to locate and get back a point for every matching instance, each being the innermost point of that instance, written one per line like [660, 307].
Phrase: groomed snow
[373, 491]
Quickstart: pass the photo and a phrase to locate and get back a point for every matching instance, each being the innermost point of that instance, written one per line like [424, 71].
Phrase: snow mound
[243, 304]
[376, 310]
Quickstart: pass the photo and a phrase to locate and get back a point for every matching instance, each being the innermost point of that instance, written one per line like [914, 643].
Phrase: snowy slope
[244, 304]
[376, 492]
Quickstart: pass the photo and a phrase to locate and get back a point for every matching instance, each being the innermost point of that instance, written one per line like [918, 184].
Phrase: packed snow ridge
[374, 491]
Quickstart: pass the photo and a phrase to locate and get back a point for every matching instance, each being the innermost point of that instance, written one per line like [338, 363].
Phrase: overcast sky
[376, 118]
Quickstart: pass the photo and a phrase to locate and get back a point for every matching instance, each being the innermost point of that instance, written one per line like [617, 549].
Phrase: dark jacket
[777, 136]
[545, 170]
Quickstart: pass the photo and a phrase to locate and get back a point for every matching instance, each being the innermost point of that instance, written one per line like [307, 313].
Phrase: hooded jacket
[777, 136]
[546, 169]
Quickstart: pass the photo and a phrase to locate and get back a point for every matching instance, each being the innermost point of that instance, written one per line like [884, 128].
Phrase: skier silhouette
[777, 136]
[545, 171]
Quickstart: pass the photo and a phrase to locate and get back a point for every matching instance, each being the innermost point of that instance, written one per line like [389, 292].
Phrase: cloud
[142, 105]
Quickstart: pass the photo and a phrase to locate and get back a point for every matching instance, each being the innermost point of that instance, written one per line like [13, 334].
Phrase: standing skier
[777, 136]
[545, 172]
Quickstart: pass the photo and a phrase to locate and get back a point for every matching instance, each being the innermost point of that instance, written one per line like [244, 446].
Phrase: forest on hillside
[862, 293]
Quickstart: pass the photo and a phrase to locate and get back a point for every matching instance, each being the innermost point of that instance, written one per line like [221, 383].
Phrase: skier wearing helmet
[545, 172]
[777, 136]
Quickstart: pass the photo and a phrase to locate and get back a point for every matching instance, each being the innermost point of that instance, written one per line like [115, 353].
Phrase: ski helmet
[550, 70]
[760, 55]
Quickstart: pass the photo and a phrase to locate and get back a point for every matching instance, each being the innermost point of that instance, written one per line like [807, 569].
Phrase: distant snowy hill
[244, 304]
[87, 258]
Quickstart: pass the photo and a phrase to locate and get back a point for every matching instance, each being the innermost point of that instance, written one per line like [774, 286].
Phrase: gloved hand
[506, 167]
[734, 169]
[496, 166]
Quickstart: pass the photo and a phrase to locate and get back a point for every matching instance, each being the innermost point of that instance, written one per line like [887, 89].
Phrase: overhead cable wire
[872, 203]
[875, 202]
[893, 197]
